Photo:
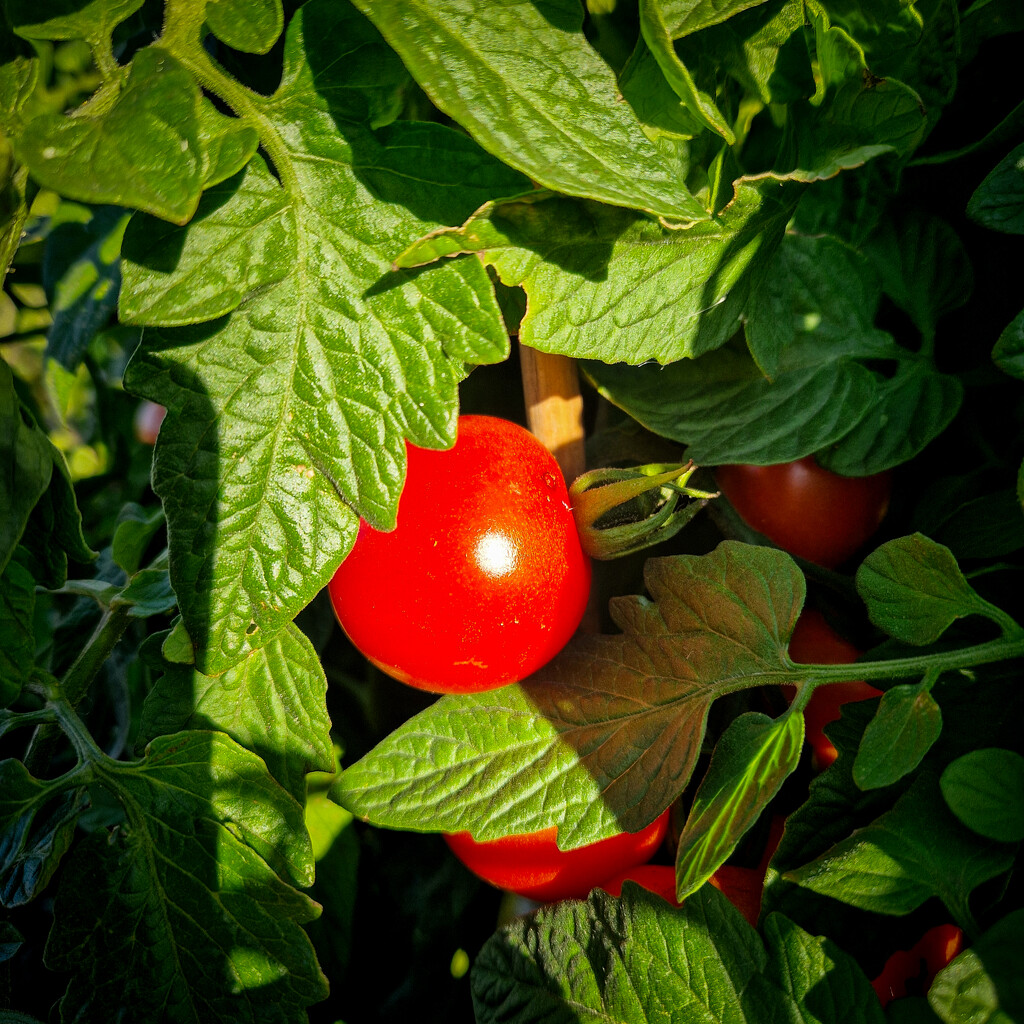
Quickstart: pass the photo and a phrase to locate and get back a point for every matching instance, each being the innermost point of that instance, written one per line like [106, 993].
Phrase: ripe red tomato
[483, 580]
[741, 886]
[911, 972]
[814, 641]
[806, 509]
[148, 417]
[532, 865]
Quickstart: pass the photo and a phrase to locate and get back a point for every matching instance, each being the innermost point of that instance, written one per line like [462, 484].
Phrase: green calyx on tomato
[483, 580]
[532, 865]
[620, 511]
[806, 509]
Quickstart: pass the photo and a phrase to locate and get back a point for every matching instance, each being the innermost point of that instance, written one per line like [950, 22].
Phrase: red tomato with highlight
[532, 865]
[807, 510]
[814, 641]
[911, 972]
[483, 580]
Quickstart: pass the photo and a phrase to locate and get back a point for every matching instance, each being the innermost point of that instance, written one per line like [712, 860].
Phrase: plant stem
[75, 684]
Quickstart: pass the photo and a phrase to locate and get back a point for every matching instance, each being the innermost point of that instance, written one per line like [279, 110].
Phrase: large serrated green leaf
[287, 417]
[180, 914]
[527, 86]
[632, 959]
[607, 284]
[273, 703]
[241, 238]
[606, 736]
[144, 151]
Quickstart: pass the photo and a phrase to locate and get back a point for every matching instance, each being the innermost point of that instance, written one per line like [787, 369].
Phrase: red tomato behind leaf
[148, 417]
[911, 972]
[532, 865]
[483, 580]
[814, 641]
[806, 509]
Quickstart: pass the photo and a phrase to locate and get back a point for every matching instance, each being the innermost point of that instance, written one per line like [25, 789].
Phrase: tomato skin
[148, 417]
[911, 972]
[483, 580]
[531, 865]
[814, 641]
[807, 510]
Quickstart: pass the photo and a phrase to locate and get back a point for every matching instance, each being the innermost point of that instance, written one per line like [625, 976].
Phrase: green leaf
[273, 703]
[37, 823]
[989, 526]
[241, 239]
[855, 115]
[181, 913]
[751, 760]
[923, 266]
[913, 852]
[983, 984]
[17, 637]
[914, 589]
[490, 69]
[144, 151]
[629, 959]
[604, 737]
[660, 30]
[148, 592]
[251, 26]
[907, 723]
[985, 790]
[597, 277]
[1008, 353]
[288, 417]
[809, 378]
[136, 527]
[11, 941]
[69, 19]
[823, 984]
[25, 454]
[82, 275]
[998, 202]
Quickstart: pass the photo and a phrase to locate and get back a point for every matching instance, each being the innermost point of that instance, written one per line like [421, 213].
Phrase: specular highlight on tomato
[483, 580]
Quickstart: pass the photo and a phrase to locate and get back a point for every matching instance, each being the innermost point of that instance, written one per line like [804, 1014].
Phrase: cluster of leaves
[298, 228]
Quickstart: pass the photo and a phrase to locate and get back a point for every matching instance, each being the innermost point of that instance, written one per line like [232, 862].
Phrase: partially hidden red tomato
[807, 510]
[483, 580]
[532, 865]
[742, 886]
[911, 972]
[148, 417]
[814, 641]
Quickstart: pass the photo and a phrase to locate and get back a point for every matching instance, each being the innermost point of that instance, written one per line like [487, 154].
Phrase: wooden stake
[554, 407]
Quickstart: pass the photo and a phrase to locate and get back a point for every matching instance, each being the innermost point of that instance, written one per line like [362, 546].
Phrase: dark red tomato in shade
[483, 580]
[910, 972]
[533, 866]
[807, 510]
[814, 641]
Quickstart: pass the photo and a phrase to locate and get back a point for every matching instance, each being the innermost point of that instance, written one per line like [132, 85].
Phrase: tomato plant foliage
[763, 232]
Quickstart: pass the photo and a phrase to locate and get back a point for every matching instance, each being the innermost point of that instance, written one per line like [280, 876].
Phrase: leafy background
[299, 228]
